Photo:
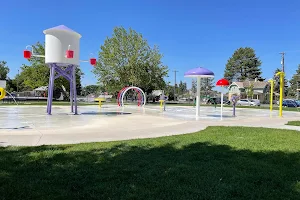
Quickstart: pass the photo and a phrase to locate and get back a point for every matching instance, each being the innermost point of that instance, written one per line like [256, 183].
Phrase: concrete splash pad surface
[30, 125]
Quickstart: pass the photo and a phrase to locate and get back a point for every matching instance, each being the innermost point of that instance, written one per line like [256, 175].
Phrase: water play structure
[199, 73]
[281, 80]
[222, 83]
[141, 95]
[62, 57]
[2, 93]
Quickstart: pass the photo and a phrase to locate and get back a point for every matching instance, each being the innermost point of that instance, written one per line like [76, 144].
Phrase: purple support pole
[50, 89]
[71, 93]
[68, 73]
[74, 88]
[234, 109]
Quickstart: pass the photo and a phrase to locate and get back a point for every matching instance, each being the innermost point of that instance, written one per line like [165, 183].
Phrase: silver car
[254, 102]
[248, 102]
[243, 102]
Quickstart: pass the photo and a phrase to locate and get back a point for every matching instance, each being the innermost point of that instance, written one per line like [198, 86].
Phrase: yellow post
[161, 103]
[100, 101]
[281, 76]
[271, 94]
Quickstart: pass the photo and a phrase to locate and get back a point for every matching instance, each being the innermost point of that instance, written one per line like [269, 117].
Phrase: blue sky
[189, 33]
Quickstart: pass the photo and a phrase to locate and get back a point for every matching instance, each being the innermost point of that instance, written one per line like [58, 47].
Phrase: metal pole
[271, 94]
[74, 89]
[221, 104]
[71, 93]
[198, 97]
[282, 60]
[281, 75]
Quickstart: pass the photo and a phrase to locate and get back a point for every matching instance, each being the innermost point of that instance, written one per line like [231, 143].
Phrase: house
[3, 84]
[260, 89]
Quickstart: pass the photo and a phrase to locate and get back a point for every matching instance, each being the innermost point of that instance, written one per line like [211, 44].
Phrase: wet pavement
[30, 125]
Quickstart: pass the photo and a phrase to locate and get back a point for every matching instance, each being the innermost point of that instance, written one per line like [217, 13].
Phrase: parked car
[182, 100]
[243, 102]
[254, 102]
[297, 102]
[289, 103]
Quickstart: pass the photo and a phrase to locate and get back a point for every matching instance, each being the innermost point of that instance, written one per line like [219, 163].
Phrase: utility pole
[282, 60]
[175, 71]
[18, 81]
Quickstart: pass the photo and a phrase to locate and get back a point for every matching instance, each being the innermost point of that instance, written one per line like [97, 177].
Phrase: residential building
[260, 90]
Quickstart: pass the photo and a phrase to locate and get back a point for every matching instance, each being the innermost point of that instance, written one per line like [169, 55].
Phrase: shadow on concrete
[105, 113]
[147, 171]
[224, 116]
[16, 128]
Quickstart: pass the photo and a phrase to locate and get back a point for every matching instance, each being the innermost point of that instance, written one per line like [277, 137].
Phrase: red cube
[93, 61]
[27, 54]
[69, 54]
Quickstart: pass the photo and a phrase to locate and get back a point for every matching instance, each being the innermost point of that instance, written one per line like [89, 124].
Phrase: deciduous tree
[294, 84]
[126, 59]
[4, 70]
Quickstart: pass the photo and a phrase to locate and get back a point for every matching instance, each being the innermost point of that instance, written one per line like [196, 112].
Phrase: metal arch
[129, 88]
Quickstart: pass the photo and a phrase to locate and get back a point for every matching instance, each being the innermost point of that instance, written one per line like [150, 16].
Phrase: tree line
[126, 59]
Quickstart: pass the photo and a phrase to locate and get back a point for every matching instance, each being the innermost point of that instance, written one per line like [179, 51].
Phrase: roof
[43, 88]
[2, 83]
[61, 28]
[256, 84]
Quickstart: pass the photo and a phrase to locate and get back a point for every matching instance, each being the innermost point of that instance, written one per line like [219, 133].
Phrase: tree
[169, 91]
[182, 88]
[194, 86]
[242, 65]
[92, 89]
[4, 70]
[126, 59]
[294, 84]
[207, 84]
[250, 91]
[277, 83]
[37, 73]
[11, 85]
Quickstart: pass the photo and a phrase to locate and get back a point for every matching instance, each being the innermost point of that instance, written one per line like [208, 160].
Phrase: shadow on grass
[197, 171]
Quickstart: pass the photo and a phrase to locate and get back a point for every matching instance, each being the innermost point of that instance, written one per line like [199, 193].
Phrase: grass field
[217, 163]
[293, 123]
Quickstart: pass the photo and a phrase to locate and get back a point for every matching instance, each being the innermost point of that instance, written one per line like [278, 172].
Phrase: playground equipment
[234, 99]
[222, 83]
[62, 57]
[271, 81]
[199, 73]
[162, 101]
[141, 95]
[2, 93]
[281, 80]
[100, 100]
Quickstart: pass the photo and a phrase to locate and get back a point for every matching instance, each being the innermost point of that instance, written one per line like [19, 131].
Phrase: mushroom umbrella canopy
[222, 83]
[199, 73]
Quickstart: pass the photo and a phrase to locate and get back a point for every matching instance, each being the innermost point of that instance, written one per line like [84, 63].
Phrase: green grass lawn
[293, 123]
[217, 163]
